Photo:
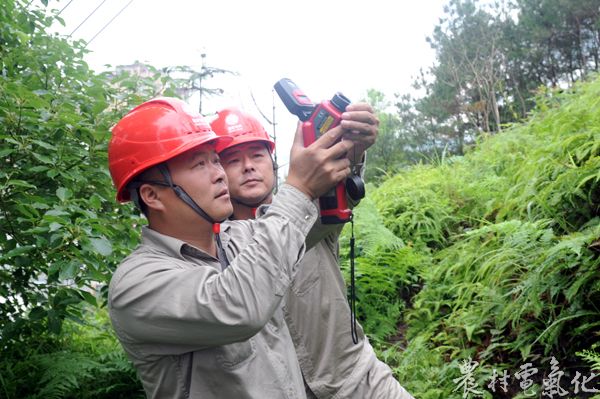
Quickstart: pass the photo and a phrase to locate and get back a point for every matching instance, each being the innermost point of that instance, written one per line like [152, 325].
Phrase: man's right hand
[316, 169]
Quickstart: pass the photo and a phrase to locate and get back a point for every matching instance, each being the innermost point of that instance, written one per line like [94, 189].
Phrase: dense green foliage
[84, 361]
[59, 240]
[61, 231]
[499, 251]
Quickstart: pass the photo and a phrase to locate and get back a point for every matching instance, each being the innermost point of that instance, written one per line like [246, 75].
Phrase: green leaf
[469, 329]
[43, 158]
[69, 270]
[95, 275]
[44, 144]
[54, 322]
[39, 205]
[56, 237]
[54, 268]
[18, 251]
[101, 245]
[39, 168]
[525, 350]
[19, 183]
[27, 211]
[95, 201]
[23, 38]
[37, 230]
[6, 151]
[63, 193]
[56, 212]
[37, 313]
[89, 298]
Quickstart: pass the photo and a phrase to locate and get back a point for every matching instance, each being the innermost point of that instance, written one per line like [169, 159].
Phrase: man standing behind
[316, 310]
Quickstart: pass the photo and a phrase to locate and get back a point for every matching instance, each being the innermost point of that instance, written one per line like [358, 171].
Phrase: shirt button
[306, 217]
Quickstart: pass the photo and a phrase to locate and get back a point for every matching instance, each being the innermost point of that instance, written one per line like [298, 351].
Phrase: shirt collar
[173, 246]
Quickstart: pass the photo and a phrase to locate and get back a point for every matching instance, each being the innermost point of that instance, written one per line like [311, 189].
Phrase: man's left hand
[360, 125]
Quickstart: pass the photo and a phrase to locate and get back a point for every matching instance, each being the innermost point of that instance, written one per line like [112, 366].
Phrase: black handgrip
[294, 99]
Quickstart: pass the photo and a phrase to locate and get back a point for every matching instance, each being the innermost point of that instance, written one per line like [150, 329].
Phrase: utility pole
[274, 136]
[202, 70]
[275, 140]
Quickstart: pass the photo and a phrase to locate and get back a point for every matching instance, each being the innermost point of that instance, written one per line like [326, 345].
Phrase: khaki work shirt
[318, 316]
[194, 330]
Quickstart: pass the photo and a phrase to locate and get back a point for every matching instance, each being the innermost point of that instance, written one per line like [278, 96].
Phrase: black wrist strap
[352, 299]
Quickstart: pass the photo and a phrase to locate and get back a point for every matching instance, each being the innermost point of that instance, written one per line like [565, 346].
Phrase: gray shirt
[318, 317]
[193, 330]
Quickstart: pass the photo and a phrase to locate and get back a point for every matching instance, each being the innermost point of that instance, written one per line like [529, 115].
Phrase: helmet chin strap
[180, 192]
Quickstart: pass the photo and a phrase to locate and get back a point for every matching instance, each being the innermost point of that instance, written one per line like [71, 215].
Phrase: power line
[275, 140]
[109, 22]
[60, 12]
[86, 18]
[273, 136]
[258, 108]
[68, 4]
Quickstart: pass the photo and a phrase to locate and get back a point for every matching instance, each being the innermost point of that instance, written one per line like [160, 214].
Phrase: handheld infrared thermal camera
[316, 120]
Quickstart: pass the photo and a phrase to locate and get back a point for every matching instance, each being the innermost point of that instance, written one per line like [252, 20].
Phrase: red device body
[316, 120]
[333, 204]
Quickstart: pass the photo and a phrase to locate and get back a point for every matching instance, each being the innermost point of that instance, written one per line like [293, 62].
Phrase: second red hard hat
[241, 126]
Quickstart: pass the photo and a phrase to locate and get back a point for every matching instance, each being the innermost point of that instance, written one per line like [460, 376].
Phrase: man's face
[200, 174]
[249, 169]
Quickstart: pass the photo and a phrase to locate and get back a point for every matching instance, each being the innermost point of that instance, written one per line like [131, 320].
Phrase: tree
[491, 59]
[58, 239]
[61, 231]
[421, 135]
[470, 64]
[564, 38]
[386, 155]
[190, 80]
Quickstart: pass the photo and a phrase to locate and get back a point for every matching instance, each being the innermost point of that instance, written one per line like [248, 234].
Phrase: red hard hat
[243, 127]
[151, 133]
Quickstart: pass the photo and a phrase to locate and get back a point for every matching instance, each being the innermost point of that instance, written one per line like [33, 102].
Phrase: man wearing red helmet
[198, 311]
[316, 310]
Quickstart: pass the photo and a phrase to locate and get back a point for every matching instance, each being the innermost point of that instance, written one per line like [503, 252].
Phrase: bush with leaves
[57, 210]
[61, 231]
[386, 272]
[559, 179]
[85, 362]
[504, 248]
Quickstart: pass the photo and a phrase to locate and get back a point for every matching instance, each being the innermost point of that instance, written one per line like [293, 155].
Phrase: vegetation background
[479, 239]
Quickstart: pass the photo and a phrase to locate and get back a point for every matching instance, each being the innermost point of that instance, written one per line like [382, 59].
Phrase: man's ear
[151, 195]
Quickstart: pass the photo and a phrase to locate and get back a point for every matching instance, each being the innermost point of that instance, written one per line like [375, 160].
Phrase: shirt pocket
[234, 355]
[308, 273]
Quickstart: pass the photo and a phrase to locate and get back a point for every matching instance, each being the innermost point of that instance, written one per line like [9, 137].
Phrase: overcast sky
[324, 46]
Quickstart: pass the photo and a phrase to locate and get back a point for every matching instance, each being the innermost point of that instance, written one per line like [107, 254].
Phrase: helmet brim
[242, 140]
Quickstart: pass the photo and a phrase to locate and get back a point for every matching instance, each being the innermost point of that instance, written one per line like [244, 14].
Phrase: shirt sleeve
[153, 301]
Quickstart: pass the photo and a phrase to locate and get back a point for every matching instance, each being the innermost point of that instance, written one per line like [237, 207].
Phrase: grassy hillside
[492, 258]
